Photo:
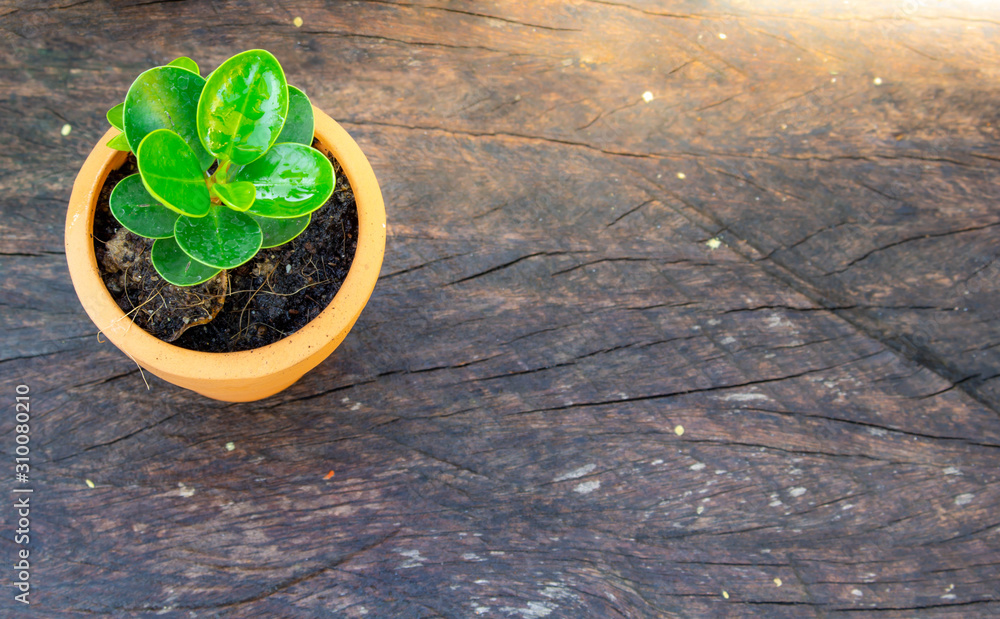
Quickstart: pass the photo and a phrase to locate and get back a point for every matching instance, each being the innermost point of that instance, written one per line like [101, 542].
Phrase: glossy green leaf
[138, 211]
[223, 239]
[178, 268]
[185, 63]
[280, 231]
[239, 195]
[115, 116]
[119, 142]
[166, 98]
[299, 123]
[244, 106]
[291, 180]
[172, 174]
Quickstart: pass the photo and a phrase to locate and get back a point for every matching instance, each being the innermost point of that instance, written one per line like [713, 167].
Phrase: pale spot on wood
[777, 582]
[713, 243]
[587, 487]
[775, 320]
[65, 129]
[951, 470]
[298, 22]
[744, 397]
[964, 499]
[415, 559]
[697, 466]
[90, 484]
[797, 491]
[533, 611]
[185, 491]
[230, 446]
[679, 430]
[647, 96]
[856, 592]
[575, 473]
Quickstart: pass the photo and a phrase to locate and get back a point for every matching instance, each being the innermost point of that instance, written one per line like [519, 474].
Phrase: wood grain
[731, 351]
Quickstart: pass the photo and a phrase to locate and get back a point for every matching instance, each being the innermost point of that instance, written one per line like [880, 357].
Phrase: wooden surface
[789, 251]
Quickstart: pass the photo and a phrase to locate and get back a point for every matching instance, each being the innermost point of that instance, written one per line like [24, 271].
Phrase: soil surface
[276, 293]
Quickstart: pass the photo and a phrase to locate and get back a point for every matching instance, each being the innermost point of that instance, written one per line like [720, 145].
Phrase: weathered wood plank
[726, 352]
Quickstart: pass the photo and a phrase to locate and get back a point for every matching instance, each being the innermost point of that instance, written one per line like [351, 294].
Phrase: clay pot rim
[294, 349]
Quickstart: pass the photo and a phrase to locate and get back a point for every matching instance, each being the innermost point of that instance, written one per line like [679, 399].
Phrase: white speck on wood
[744, 397]
[577, 472]
[964, 499]
[776, 320]
[533, 611]
[856, 592]
[587, 487]
[415, 559]
[697, 466]
[951, 470]
[471, 556]
[797, 491]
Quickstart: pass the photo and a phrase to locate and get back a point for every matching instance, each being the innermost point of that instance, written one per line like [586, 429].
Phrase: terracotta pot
[237, 376]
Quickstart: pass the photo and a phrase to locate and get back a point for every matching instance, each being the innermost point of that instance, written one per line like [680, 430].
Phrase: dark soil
[279, 291]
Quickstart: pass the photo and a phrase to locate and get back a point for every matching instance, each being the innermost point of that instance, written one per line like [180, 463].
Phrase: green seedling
[226, 165]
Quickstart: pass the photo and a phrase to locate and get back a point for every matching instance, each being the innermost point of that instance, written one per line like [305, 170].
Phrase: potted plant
[225, 168]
